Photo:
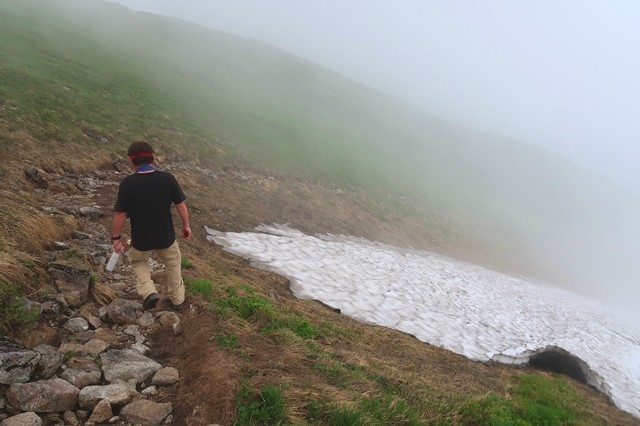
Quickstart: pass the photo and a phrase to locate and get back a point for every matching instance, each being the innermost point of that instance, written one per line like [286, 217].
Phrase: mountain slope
[73, 68]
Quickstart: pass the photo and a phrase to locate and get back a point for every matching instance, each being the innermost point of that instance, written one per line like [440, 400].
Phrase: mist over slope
[72, 67]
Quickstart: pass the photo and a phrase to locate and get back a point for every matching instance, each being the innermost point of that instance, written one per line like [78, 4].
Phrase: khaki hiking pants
[171, 258]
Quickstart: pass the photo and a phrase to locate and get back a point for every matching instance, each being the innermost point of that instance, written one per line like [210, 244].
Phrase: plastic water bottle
[112, 261]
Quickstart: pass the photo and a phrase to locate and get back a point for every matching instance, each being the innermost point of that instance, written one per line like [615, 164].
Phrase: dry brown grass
[102, 294]
[11, 271]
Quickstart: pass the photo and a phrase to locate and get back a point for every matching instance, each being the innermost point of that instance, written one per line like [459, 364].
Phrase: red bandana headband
[141, 154]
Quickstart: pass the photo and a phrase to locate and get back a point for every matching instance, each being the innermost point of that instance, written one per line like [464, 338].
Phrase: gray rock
[50, 361]
[82, 337]
[3, 403]
[44, 396]
[149, 391]
[52, 307]
[91, 212]
[120, 311]
[168, 319]
[122, 166]
[17, 363]
[24, 419]
[59, 245]
[81, 235]
[37, 176]
[146, 320]
[166, 376]
[70, 418]
[127, 364]
[146, 412]
[139, 347]
[77, 325]
[95, 346]
[117, 394]
[102, 412]
[94, 322]
[72, 282]
[82, 372]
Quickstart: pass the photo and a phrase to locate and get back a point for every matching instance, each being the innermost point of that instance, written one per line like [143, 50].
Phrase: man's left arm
[183, 212]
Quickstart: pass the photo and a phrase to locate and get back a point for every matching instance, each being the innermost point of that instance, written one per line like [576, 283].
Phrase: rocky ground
[97, 367]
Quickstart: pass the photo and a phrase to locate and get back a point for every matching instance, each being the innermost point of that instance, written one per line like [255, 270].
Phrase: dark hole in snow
[559, 363]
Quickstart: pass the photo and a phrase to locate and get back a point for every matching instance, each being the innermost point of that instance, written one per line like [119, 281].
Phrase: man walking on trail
[145, 197]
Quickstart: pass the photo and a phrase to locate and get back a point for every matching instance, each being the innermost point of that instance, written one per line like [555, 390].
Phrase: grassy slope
[71, 67]
[233, 102]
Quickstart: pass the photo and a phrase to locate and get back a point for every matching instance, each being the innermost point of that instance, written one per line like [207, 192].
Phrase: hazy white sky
[564, 75]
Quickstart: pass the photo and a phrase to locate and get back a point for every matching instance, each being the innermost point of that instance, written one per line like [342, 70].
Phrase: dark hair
[140, 153]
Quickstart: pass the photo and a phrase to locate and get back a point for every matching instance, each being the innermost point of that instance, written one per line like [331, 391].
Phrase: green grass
[225, 340]
[186, 263]
[13, 313]
[200, 286]
[534, 400]
[266, 407]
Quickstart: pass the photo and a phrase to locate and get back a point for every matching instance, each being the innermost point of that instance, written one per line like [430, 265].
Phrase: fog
[562, 75]
[559, 75]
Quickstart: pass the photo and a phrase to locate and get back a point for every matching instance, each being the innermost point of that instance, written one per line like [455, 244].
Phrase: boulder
[146, 412]
[166, 376]
[120, 311]
[76, 325]
[17, 363]
[44, 396]
[127, 364]
[50, 361]
[72, 282]
[117, 394]
[101, 413]
[82, 372]
[91, 212]
[24, 419]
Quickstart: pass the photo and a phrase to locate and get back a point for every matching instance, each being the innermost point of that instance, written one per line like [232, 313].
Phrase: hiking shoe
[150, 301]
[178, 306]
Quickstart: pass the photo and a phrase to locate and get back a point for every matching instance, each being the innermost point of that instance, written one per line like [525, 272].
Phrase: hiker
[145, 197]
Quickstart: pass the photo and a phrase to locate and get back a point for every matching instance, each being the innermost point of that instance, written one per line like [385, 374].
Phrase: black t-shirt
[147, 199]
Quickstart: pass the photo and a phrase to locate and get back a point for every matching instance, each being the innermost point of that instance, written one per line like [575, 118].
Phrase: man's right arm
[119, 218]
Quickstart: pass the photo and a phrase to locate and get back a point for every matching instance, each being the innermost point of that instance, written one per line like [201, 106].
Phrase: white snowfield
[475, 312]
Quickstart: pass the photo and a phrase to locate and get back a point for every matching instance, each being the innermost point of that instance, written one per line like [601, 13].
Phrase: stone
[143, 411]
[82, 372]
[127, 364]
[166, 376]
[95, 346]
[139, 347]
[37, 176]
[168, 319]
[149, 391]
[94, 322]
[17, 363]
[120, 311]
[70, 418]
[146, 320]
[117, 394]
[3, 403]
[102, 412]
[60, 246]
[82, 337]
[44, 396]
[81, 235]
[72, 282]
[24, 419]
[76, 325]
[50, 361]
[91, 212]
